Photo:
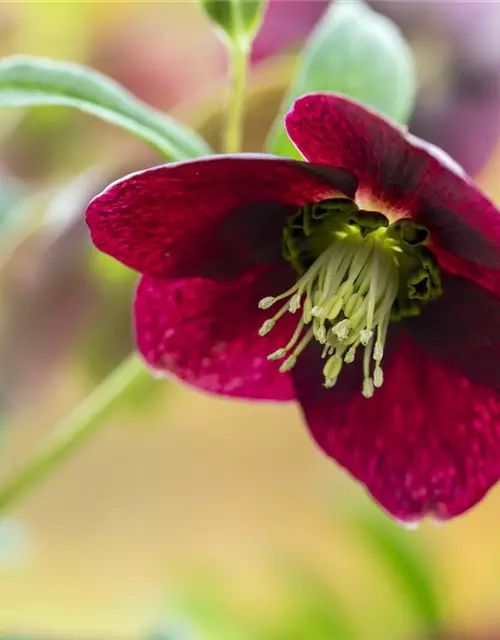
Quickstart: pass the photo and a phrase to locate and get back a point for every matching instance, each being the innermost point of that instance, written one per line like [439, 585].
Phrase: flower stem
[73, 432]
[239, 63]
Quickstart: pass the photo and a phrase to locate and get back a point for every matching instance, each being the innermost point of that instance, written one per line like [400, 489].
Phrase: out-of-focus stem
[73, 432]
[238, 72]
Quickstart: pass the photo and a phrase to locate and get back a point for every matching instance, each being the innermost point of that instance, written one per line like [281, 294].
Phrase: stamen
[337, 270]
[327, 281]
[360, 260]
[307, 311]
[332, 367]
[292, 359]
[334, 309]
[268, 301]
[352, 304]
[266, 327]
[294, 303]
[269, 324]
[378, 377]
[351, 354]
[372, 293]
[368, 387]
[365, 336]
[378, 350]
[341, 329]
[363, 277]
[280, 353]
[276, 355]
[265, 303]
[289, 363]
[320, 334]
[367, 382]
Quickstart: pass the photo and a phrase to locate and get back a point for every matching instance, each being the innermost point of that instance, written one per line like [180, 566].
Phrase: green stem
[73, 432]
[239, 63]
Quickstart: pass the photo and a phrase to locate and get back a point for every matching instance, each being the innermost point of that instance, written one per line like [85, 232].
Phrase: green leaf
[358, 53]
[27, 81]
[235, 20]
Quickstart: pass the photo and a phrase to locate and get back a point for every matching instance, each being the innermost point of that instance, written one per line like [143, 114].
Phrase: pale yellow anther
[288, 364]
[294, 304]
[329, 383]
[266, 327]
[265, 303]
[320, 334]
[378, 377]
[276, 355]
[365, 336]
[332, 367]
[341, 330]
[350, 355]
[368, 387]
[317, 311]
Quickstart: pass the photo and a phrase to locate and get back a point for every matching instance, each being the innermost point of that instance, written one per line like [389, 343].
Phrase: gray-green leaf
[236, 20]
[358, 53]
[27, 81]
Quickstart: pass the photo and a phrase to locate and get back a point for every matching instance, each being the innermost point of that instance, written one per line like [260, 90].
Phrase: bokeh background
[190, 516]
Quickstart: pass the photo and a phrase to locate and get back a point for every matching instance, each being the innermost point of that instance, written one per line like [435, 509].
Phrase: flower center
[357, 273]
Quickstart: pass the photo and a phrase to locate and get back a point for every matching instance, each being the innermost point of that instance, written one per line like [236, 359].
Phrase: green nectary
[356, 274]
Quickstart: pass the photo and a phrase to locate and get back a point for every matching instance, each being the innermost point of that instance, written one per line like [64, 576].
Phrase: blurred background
[190, 516]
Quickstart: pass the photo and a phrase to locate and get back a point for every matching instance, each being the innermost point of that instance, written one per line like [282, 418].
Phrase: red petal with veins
[487, 278]
[461, 330]
[427, 442]
[205, 332]
[211, 217]
[398, 173]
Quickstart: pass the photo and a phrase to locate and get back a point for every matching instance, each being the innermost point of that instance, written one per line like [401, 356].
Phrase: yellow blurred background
[193, 516]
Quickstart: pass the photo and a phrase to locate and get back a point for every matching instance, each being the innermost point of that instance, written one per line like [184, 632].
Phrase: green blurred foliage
[311, 607]
[409, 563]
[358, 53]
[104, 345]
[314, 610]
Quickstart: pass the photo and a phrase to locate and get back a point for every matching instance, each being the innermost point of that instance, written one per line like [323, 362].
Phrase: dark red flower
[386, 260]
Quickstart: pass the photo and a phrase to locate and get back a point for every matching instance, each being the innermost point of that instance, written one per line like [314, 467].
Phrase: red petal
[205, 332]
[461, 329]
[398, 173]
[207, 218]
[427, 442]
[487, 278]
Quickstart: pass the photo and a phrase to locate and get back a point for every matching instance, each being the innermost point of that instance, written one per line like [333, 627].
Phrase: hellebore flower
[364, 283]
